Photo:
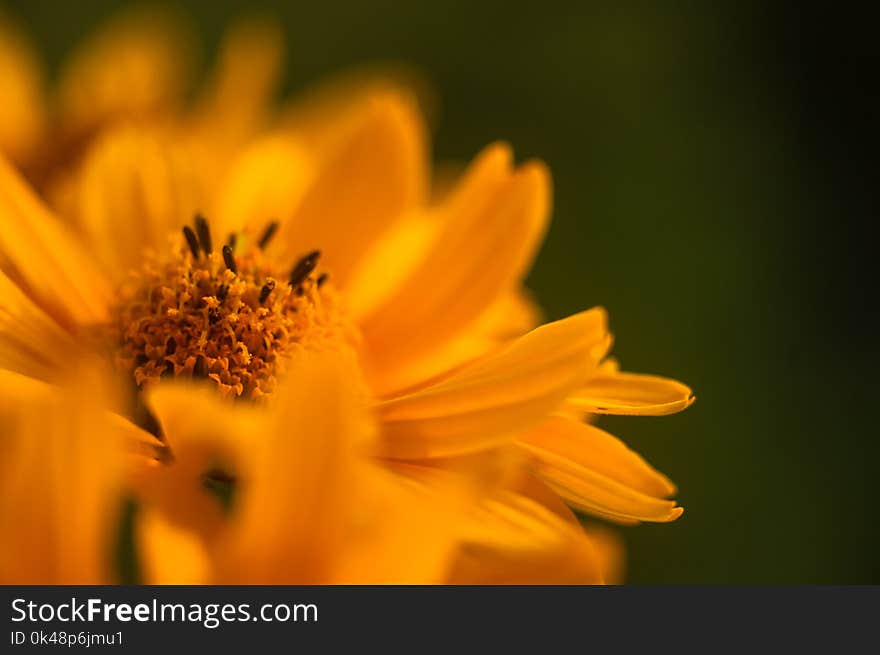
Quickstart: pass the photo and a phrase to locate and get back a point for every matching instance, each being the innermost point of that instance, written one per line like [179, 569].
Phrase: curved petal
[266, 184]
[614, 392]
[135, 65]
[513, 539]
[236, 99]
[204, 434]
[367, 179]
[22, 113]
[492, 226]
[60, 484]
[409, 536]
[134, 189]
[31, 342]
[170, 554]
[39, 254]
[610, 550]
[496, 397]
[293, 517]
[597, 473]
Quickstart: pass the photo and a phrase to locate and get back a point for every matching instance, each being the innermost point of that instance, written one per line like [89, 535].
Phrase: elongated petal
[266, 184]
[60, 484]
[300, 477]
[22, 113]
[31, 342]
[514, 540]
[597, 473]
[134, 190]
[610, 550]
[170, 554]
[204, 435]
[606, 543]
[509, 317]
[409, 536]
[372, 174]
[137, 64]
[633, 394]
[39, 254]
[496, 397]
[492, 225]
[237, 97]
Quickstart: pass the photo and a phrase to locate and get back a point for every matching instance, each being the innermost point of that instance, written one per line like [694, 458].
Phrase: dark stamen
[222, 292]
[200, 368]
[266, 290]
[170, 346]
[232, 240]
[322, 278]
[229, 259]
[204, 233]
[268, 233]
[304, 267]
[191, 241]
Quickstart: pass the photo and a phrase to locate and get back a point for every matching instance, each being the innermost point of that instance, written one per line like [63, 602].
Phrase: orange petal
[134, 190]
[60, 484]
[136, 65]
[22, 113]
[516, 540]
[39, 254]
[492, 225]
[203, 433]
[237, 97]
[633, 394]
[370, 177]
[311, 114]
[496, 397]
[170, 554]
[266, 183]
[31, 342]
[410, 534]
[610, 550]
[299, 477]
[597, 473]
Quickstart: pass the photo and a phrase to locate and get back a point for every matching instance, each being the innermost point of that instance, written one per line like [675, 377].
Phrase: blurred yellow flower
[335, 377]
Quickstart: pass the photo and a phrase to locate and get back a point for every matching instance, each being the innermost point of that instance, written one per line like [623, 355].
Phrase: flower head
[327, 330]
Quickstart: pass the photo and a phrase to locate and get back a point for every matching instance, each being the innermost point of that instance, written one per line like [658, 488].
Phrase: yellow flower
[346, 357]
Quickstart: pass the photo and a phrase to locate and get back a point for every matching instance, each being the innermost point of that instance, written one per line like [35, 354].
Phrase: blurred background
[714, 170]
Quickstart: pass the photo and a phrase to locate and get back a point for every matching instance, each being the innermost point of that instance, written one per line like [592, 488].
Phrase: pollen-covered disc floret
[227, 316]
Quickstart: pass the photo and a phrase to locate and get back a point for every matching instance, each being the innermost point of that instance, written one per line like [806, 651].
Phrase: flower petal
[513, 539]
[492, 225]
[299, 476]
[170, 554]
[496, 397]
[31, 342]
[22, 113]
[369, 177]
[134, 190]
[235, 102]
[39, 254]
[597, 473]
[266, 183]
[60, 484]
[204, 434]
[135, 65]
[632, 394]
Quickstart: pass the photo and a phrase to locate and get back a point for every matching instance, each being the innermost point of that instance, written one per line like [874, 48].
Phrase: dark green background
[714, 168]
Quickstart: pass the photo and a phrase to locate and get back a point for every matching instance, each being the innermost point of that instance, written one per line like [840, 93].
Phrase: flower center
[228, 316]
